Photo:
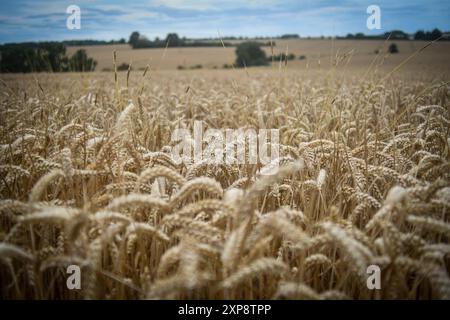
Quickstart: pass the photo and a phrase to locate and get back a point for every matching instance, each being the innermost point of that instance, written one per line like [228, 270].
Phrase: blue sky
[35, 20]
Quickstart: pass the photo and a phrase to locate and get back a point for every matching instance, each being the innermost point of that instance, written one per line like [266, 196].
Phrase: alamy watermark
[374, 20]
[374, 278]
[74, 19]
[73, 281]
[225, 146]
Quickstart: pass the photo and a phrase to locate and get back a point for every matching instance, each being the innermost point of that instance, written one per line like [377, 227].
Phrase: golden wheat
[87, 177]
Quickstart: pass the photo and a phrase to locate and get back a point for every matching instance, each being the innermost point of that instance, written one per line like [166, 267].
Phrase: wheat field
[87, 179]
[318, 53]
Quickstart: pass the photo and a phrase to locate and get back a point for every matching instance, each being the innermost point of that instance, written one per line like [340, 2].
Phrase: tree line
[139, 41]
[43, 57]
[399, 35]
[89, 42]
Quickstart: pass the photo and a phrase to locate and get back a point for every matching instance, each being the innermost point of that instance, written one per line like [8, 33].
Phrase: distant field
[317, 52]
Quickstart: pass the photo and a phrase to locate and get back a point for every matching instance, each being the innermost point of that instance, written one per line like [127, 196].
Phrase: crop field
[318, 53]
[88, 177]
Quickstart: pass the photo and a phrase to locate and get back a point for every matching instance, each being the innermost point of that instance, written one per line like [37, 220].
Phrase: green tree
[142, 42]
[134, 38]
[250, 54]
[393, 48]
[80, 62]
[174, 40]
[419, 35]
[53, 56]
[33, 57]
[428, 35]
[435, 34]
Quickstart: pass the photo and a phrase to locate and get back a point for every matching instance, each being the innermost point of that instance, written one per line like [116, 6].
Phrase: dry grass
[87, 178]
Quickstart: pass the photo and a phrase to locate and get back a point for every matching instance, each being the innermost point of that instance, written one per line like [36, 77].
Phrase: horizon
[40, 21]
[242, 37]
[235, 37]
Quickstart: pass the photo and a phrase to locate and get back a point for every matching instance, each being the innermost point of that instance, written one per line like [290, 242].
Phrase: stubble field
[87, 179]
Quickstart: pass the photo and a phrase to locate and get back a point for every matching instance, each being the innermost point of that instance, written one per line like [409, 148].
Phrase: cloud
[24, 20]
[212, 5]
[142, 15]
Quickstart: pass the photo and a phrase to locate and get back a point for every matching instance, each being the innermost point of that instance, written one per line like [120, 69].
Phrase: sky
[44, 20]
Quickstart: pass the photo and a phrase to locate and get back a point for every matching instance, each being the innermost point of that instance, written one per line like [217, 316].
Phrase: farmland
[318, 54]
[88, 178]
